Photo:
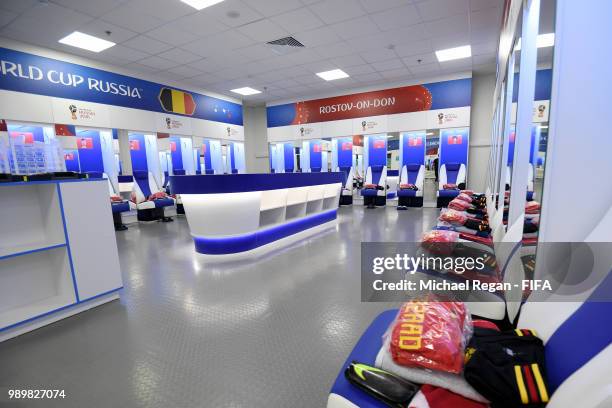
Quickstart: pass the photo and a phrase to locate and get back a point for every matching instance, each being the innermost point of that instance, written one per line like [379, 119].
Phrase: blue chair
[118, 207]
[374, 190]
[346, 193]
[413, 175]
[149, 210]
[450, 173]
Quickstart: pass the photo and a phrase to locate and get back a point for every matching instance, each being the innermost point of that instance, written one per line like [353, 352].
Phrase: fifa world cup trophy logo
[440, 118]
[541, 109]
[73, 111]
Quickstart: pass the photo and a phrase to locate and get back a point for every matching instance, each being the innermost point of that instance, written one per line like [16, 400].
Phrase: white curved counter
[240, 212]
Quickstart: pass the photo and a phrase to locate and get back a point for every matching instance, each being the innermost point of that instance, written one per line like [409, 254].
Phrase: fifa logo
[302, 131]
[229, 131]
[541, 109]
[440, 118]
[73, 111]
[168, 122]
[363, 125]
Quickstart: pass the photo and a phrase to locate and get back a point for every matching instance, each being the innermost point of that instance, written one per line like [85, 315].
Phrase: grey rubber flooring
[187, 332]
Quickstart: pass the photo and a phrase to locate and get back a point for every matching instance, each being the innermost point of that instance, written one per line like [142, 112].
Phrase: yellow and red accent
[175, 101]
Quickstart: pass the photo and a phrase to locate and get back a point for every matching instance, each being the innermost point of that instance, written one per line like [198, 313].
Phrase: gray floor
[189, 333]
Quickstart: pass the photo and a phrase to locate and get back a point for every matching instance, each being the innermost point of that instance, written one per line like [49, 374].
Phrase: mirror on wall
[540, 133]
[432, 166]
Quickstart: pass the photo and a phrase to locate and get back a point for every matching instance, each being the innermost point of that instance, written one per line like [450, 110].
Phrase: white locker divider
[58, 252]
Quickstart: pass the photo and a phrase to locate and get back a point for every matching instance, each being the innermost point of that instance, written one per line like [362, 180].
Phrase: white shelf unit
[53, 288]
[31, 219]
[271, 216]
[58, 253]
[296, 210]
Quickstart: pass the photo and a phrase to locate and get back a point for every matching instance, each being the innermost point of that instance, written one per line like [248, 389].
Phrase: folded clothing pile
[430, 335]
[408, 187]
[465, 223]
[426, 343]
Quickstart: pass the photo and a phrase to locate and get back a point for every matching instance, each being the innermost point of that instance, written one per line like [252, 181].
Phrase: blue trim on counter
[240, 183]
[247, 242]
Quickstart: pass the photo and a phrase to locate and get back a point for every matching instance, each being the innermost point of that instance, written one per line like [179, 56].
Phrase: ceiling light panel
[450, 54]
[333, 74]
[201, 4]
[86, 42]
[246, 91]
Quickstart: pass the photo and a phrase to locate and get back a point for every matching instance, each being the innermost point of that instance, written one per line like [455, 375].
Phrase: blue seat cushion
[120, 207]
[448, 193]
[369, 192]
[406, 193]
[164, 202]
[365, 351]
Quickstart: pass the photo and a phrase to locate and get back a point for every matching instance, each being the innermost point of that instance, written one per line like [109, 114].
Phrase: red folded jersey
[407, 187]
[449, 186]
[440, 242]
[116, 199]
[468, 192]
[464, 197]
[532, 207]
[436, 397]
[158, 196]
[369, 186]
[459, 205]
[453, 217]
[430, 335]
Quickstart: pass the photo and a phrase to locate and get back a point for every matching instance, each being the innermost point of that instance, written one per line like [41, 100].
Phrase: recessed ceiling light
[246, 91]
[450, 54]
[333, 74]
[86, 41]
[201, 4]
[542, 41]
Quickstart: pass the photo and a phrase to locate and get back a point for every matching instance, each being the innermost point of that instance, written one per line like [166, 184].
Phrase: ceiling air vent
[284, 46]
[287, 41]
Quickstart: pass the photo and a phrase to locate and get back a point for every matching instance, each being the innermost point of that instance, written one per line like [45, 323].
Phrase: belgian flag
[177, 101]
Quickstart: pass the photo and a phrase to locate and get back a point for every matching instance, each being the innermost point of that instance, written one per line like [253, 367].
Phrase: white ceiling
[376, 42]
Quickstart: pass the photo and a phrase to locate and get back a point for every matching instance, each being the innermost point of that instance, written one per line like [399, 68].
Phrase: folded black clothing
[476, 211]
[477, 225]
[507, 368]
[530, 227]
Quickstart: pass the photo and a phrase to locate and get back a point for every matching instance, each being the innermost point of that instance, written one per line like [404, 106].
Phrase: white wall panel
[217, 130]
[402, 122]
[132, 119]
[25, 107]
[337, 128]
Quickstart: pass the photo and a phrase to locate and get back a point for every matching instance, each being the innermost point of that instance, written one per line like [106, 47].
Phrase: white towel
[452, 382]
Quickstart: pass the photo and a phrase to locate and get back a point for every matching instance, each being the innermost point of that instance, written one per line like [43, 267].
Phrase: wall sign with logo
[415, 98]
[29, 73]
